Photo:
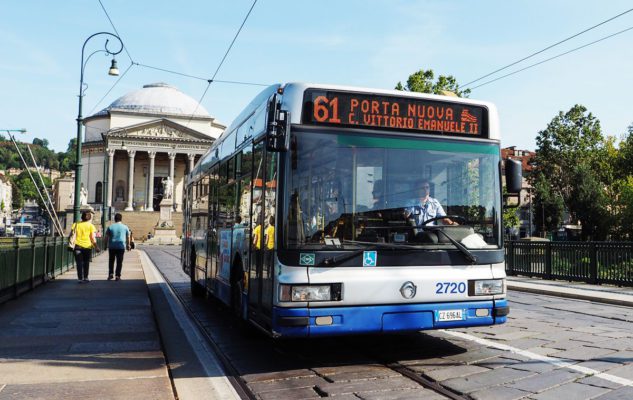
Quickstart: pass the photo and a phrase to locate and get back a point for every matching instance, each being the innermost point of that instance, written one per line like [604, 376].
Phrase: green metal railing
[28, 263]
[591, 262]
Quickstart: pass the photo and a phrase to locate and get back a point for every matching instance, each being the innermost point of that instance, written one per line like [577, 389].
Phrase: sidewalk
[622, 296]
[94, 340]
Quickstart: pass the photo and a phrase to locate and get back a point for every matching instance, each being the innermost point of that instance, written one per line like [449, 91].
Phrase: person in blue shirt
[118, 240]
[425, 207]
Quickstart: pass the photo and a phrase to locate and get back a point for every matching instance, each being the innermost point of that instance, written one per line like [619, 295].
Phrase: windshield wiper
[334, 261]
[469, 256]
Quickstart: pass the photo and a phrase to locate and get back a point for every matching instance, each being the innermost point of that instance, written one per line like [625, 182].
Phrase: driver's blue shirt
[424, 211]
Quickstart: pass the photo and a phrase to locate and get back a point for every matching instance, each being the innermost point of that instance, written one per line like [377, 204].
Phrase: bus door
[257, 237]
[263, 209]
[270, 197]
[212, 225]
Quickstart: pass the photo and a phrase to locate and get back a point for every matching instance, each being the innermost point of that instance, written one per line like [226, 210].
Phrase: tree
[17, 201]
[570, 154]
[621, 193]
[511, 218]
[547, 206]
[40, 142]
[27, 189]
[67, 160]
[624, 208]
[590, 203]
[624, 164]
[422, 81]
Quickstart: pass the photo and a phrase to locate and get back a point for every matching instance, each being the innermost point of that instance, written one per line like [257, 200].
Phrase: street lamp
[113, 71]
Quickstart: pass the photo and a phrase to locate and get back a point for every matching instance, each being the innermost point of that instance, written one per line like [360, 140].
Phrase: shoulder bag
[72, 238]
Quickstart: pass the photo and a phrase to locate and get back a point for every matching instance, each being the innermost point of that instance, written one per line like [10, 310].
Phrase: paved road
[551, 348]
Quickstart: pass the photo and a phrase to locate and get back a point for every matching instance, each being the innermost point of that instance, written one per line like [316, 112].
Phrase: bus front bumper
[331, 321]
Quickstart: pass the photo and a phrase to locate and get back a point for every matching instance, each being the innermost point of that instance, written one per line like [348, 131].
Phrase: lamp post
[113, 71]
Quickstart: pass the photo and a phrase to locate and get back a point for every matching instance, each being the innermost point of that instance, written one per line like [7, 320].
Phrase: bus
[304, 218]
[23, 230]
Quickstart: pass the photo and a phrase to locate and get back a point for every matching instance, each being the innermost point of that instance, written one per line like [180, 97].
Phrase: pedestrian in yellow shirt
[84, 243]
[269, 244]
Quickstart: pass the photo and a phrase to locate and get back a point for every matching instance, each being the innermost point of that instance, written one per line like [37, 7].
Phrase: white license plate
[450, 315]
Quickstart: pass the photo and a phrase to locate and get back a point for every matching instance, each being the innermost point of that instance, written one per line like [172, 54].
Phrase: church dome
[157, 98]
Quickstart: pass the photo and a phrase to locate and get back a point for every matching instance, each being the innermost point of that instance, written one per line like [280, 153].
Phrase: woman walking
[84, 243]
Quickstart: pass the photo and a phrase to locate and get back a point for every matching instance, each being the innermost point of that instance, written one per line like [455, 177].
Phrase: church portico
[147, 142]
[141, 172]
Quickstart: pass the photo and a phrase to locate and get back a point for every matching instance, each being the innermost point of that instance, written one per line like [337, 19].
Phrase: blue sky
[372, 43]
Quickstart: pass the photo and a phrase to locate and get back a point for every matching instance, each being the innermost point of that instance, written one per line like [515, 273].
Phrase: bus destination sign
[327, 107]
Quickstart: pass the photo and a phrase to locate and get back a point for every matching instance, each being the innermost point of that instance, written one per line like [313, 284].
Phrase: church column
[172, 158]
[110, 187]
[150, 190]
[191, 158]
[130, 181]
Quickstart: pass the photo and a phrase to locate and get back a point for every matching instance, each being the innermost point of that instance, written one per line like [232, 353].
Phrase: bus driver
[426, 207]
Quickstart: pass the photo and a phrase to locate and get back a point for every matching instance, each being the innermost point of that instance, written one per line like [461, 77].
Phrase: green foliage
[570, 163]
[590, 202]
[624, 162]
[547, 206]
[510, 215]
[40, 142]
[422, 81]
[27, 190]
[17, 201]
[623, 207]
[46, 158]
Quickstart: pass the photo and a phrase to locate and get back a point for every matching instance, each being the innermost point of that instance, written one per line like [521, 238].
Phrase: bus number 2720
[450, 287]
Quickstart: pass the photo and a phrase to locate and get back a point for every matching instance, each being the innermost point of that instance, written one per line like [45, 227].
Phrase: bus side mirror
[278, 128]
[514, 175]
[514, 178]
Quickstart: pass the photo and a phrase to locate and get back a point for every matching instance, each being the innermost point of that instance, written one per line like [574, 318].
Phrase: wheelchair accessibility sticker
[370, 258]
[306, 259]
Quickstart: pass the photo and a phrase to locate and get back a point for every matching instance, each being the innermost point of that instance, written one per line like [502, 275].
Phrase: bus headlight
[329, 292]
[486, 287]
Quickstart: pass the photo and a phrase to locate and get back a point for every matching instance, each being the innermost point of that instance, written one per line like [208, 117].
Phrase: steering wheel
[452, 217]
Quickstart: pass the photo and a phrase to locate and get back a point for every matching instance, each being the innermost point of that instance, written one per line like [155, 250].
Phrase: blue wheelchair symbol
[370, 258]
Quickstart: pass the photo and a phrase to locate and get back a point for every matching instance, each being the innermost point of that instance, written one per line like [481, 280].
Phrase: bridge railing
[27, 263]
[591, 262]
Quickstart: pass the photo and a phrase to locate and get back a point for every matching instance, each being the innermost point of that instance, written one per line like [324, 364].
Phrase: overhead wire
[115, 30]
[552, 58]
[210, 81]
[546, 48]
[199, 77]
[111, 88]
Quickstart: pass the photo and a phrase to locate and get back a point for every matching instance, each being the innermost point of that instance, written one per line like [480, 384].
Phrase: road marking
[560, 363]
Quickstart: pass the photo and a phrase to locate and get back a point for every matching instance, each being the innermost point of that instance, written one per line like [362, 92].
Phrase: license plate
[450, 315]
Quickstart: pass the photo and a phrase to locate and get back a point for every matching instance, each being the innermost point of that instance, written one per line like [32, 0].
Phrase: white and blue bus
[305, 216]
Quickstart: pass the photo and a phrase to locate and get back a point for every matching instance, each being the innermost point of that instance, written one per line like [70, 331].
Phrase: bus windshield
[350, 190]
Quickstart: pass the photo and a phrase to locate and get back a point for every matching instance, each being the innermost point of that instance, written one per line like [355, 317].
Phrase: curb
[573, 293]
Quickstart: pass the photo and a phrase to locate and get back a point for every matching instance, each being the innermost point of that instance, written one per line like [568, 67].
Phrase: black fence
[28, 263]
[591, 262]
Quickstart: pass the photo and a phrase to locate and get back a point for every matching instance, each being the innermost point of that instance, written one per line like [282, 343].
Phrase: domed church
[138, 141]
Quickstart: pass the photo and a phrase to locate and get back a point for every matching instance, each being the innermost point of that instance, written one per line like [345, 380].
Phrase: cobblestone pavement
[551, 348]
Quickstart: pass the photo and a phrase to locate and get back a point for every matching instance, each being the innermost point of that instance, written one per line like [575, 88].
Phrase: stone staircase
[142, 222]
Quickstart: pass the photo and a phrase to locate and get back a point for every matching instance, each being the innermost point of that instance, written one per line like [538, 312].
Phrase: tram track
[296, 350]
